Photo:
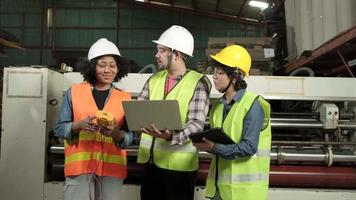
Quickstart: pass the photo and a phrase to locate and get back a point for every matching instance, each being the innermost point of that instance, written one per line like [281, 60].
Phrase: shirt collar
[112, 86]
[236, 98]
[179, 77]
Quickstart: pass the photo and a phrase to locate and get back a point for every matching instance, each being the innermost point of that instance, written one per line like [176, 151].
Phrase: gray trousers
[92, 187]
[216, 196]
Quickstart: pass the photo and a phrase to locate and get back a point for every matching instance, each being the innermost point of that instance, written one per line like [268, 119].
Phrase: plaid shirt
[198, 109]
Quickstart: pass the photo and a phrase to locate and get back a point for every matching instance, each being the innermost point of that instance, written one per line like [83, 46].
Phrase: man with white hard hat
[171, 161]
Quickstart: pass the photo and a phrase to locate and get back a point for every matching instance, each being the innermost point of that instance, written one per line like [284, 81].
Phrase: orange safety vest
[94, 152]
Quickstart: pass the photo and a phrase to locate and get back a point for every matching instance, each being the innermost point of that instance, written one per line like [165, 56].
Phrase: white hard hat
[177, 38]
[102, 47]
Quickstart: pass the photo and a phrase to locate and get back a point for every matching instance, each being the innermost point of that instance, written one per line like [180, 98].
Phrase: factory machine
[313, 154]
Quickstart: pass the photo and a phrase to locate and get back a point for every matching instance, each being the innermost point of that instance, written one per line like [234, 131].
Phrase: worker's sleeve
[63, 127]
[250, 136]
[144, 95]
[126, 141]
[198, 109]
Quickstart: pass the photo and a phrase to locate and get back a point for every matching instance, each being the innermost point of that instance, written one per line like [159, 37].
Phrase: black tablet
[216, 135]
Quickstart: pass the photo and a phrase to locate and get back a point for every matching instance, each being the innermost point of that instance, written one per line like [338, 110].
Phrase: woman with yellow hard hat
[240, 170]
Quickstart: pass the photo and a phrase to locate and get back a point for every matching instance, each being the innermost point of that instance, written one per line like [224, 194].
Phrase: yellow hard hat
[234, 56]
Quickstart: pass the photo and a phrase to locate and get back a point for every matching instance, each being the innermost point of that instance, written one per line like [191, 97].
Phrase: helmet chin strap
[228, 85]
[236, 75]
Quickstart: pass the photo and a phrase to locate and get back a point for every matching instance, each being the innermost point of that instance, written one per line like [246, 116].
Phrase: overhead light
[258, 4]
[140, 0]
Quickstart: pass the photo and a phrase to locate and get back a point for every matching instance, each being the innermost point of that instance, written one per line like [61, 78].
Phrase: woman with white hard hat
[92, 124]
[240, 170]
[170, 159]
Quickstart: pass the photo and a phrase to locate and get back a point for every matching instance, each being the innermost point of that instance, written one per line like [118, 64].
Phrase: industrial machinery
[313, 120]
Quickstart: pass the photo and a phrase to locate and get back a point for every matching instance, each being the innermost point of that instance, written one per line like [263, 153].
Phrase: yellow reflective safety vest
[159, 151]
[93, 152]
[244, 178]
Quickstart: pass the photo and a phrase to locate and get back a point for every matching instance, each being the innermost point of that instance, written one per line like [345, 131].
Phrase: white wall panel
[305, 25]
[297, 25]
[329, 13]
[344, 14]
[310, 23]
[317, 22]
[290, 29]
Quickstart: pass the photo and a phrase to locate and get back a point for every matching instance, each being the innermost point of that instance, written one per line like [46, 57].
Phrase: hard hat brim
[221, 61]
[160, 43]
[168, 46]
[217, 59]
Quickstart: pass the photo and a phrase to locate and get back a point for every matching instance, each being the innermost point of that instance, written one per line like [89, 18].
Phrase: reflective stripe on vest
[94, 152]
[95, 156]
[246, 177]
[173, 157]
[242, 178]
[166, 146]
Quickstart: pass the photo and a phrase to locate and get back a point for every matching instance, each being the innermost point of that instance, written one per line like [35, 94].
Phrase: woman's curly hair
[88, 69]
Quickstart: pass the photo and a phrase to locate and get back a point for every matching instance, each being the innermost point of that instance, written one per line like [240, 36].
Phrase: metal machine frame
[32, 98]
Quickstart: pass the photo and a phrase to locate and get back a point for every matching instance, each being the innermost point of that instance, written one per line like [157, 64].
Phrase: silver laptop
[164, 114]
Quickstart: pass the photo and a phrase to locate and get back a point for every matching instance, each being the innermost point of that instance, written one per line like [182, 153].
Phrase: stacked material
[260, 49]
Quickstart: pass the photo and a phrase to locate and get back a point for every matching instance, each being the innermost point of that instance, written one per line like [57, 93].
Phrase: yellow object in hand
[104, 118]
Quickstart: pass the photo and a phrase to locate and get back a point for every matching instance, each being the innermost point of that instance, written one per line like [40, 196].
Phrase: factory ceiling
[236, 10]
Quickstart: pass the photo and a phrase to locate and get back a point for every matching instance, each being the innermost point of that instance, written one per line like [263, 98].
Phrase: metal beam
[241, 8]
[331, 46]
[117, 24]
[347, 66]
[194, 5]
[333, 71]
[172, 3]
[43, 20]
[226, 17]
[217, 6]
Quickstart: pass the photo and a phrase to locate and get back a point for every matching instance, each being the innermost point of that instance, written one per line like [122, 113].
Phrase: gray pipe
[277, 154]
[308, 124]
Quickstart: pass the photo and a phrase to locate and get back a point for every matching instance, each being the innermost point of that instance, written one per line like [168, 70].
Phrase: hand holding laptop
[155, 117]
[154, 132]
